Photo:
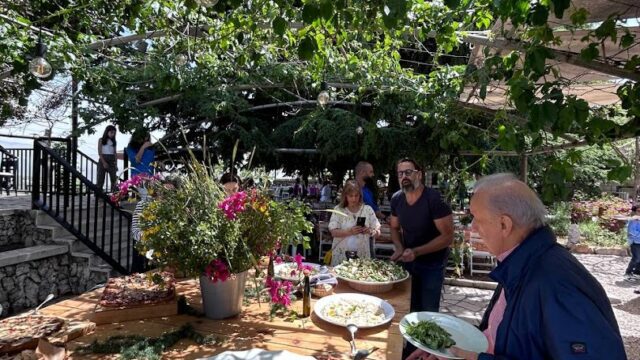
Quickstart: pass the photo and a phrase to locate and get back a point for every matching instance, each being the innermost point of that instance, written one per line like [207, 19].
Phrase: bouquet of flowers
[197, 229]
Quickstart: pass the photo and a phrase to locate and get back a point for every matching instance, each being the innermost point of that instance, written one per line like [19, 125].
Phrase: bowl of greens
[435, 333]
[370, 275]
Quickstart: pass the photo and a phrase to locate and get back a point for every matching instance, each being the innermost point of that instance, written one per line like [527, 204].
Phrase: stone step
[31, 253]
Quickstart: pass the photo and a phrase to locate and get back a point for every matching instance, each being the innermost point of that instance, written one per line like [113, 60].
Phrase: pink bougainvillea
[217, 270]
[233, 205]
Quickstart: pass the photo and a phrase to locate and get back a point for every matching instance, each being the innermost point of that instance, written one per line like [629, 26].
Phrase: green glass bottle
[306, 297]
[270, 269]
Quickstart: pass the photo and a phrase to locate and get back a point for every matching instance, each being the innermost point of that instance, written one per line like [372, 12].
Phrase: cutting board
[70, 330]
[108, 315]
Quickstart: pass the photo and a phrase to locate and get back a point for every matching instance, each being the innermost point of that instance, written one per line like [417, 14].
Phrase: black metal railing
[85, 211]
[89, 167]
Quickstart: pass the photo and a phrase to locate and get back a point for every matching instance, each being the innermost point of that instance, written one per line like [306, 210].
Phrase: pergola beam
[560, 55]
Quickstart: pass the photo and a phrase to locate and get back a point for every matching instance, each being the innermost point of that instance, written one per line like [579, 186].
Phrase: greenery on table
[144, 347]
[430, 334]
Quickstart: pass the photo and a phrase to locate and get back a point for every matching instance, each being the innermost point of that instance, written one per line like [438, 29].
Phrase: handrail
[83, 209]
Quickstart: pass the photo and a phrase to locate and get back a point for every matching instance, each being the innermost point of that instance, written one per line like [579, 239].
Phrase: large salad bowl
[364, 311]
[370, 276]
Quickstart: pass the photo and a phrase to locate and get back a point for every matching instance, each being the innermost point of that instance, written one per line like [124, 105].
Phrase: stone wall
[26, 285]
[18, 227]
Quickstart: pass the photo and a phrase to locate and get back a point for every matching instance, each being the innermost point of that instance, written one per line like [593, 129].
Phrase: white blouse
[108, 148]
[359, 242]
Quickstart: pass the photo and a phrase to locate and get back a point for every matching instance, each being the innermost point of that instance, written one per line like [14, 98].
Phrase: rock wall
[18, 227]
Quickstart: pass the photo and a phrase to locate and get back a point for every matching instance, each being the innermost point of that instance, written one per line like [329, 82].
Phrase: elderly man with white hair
[546, 305]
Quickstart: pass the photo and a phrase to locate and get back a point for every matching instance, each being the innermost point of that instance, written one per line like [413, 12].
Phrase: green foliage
[592, 233]
[146, 348]
[560, 217]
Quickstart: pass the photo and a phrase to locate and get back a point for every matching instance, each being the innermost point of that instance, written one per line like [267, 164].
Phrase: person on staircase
[141, 154]
[107, 162]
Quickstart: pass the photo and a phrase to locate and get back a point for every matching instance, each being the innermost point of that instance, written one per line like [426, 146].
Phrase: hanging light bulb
[39, 66]
[323, 97]
[359, 130]
[181, 59]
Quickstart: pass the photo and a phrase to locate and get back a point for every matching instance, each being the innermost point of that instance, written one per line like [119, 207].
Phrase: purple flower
[217, 270]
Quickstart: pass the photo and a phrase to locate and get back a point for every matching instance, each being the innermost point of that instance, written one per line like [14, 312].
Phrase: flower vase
[222, 299]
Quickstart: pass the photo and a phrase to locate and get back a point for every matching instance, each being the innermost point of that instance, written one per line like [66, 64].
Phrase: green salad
[430, 334]
[371, 270]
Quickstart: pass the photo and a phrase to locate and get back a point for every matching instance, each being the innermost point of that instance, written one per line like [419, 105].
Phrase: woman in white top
[347, 234]
[107, 162]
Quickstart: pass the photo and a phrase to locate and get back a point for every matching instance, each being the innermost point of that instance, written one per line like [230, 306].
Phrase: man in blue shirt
[633, 238]
[364, 175]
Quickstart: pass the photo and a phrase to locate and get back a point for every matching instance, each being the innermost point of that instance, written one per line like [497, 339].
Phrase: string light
[39, 66]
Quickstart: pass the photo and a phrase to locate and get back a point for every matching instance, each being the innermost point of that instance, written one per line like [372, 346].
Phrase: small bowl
[322, 290]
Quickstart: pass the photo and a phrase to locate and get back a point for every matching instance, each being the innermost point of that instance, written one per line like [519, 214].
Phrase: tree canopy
[395, 70]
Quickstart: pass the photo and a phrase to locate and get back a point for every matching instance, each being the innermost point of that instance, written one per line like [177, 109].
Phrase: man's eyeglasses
[406, 173]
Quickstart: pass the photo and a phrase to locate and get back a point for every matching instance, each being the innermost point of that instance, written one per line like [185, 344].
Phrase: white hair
[510, 196]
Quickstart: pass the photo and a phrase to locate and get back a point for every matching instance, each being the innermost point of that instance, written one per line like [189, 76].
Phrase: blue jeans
[426, 285]
[634, 264]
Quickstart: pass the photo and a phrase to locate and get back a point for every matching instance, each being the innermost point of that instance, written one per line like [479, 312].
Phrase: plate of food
[289, 270]
[370, 275]
[435, 333]
[365, 311]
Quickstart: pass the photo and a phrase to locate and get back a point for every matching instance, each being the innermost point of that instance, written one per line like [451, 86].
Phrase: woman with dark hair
[107, 162]
[230, 183]
[141, 153]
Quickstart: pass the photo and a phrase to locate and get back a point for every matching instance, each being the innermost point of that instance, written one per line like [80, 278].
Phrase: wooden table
[251, 329]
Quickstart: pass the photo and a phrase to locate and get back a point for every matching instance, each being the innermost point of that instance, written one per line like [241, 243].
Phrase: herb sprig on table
[430, 334]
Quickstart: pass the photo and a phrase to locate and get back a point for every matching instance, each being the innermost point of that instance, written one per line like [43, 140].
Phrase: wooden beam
[297, 151]
[560, 55]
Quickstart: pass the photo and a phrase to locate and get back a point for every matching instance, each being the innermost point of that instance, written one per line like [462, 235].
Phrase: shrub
[592, 233]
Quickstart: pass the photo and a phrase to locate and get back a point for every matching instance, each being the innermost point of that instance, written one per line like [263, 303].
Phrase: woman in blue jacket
[141, 154]
[546, 305]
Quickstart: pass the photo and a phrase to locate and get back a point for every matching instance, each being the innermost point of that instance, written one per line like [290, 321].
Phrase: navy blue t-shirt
[417, 223]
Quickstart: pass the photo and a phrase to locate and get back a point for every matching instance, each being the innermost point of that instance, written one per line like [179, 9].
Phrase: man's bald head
[507, 195]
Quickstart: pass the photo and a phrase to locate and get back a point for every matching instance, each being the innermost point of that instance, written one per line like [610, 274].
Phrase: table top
[251, 329]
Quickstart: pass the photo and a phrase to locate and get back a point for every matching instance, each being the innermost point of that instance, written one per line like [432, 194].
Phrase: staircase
[96, 265]
[80, 215]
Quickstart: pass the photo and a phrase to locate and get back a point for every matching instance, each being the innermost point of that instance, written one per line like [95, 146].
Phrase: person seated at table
[343, 225]
[546, 305]
[230, 183]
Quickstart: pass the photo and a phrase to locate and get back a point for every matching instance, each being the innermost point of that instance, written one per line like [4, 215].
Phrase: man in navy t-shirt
[427, 232]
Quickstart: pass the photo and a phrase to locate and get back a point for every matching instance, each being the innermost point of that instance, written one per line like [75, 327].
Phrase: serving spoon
[49, 298]
[353, 328]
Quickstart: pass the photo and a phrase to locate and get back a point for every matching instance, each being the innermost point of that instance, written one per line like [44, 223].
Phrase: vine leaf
[279, 25]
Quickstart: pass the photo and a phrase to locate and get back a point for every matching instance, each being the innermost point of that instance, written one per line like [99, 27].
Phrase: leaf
[310, 13]
[620, 173]
[279, 25]
[306, 48]
[326, 9]
[590, 52]
[579, 17]
[559, 6]
[607, 29]
[539, 15]
[627, 39]
[452, 4]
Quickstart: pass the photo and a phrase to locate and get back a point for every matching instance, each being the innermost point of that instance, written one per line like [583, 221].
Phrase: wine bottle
[306, 297]
[270, 270]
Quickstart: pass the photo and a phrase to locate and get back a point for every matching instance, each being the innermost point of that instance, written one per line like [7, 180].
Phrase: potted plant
[198, 230]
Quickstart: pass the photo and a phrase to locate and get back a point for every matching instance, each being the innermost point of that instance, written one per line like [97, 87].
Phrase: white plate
[278, 267]
[466, 336]
[321, 305]
[258, 354]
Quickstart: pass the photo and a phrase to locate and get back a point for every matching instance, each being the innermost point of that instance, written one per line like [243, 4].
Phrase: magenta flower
[217, 270]
[298, 258]
[233, 205]
[279, 291]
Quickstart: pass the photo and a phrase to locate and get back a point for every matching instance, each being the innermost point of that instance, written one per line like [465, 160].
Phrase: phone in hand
[360, 221]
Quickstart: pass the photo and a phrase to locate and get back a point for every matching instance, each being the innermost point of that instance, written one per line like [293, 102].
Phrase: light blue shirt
[633, 231]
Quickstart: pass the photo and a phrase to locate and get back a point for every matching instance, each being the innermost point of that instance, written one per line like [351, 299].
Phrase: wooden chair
[481, 261]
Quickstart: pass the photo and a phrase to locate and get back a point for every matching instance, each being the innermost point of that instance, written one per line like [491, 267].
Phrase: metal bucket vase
[222, 299]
